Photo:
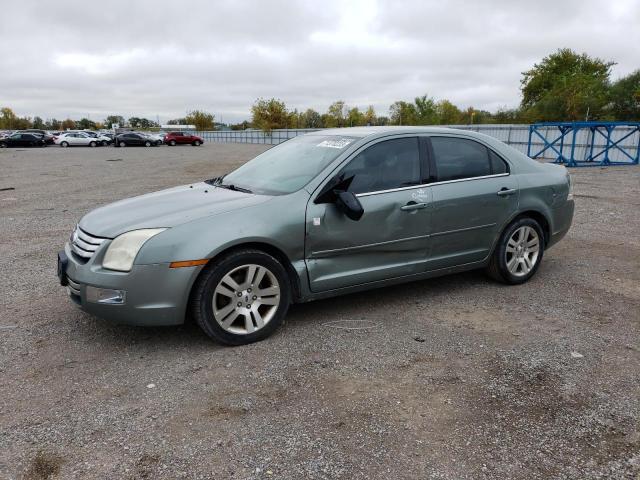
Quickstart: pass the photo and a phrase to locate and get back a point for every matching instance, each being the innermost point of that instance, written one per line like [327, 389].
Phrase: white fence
[516, 135]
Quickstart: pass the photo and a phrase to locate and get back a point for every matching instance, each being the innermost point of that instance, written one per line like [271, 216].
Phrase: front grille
[84, 244]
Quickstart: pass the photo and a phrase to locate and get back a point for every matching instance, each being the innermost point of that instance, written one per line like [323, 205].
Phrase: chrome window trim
[366, 194]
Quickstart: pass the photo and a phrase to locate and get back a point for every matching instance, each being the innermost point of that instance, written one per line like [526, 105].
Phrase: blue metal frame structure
[565, 136]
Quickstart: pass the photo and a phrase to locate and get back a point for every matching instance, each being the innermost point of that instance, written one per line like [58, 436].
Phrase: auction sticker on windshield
[335, 143]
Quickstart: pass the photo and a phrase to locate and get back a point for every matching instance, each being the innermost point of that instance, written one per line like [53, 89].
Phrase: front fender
[279, 222]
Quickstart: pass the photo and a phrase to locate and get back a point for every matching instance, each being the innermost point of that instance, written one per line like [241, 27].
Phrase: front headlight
[123, 249]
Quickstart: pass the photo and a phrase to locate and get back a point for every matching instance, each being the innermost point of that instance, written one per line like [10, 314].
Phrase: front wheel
[172, 143]
[122, 144]
[241, 298]
[196, 143]
[3, 145]
[92, 144]
[147, 144]
[519, 252]
[64, 144]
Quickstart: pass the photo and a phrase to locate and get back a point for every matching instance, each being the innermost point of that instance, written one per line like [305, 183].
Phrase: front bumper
[155, 294]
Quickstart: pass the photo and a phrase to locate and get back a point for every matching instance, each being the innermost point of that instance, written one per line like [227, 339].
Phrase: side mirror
[349, 204]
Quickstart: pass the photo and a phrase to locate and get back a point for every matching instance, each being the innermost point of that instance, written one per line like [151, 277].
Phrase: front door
[391, 238]
[473, 197]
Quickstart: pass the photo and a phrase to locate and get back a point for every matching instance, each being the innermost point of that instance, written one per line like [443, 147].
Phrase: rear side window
[384, 166]
[459, 158]
[497, 164]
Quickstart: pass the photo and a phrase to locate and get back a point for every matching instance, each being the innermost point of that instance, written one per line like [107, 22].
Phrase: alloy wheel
[246, 299]
[522, 252]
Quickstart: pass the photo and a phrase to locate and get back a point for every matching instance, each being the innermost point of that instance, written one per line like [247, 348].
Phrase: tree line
[564, 86]
[10, 121]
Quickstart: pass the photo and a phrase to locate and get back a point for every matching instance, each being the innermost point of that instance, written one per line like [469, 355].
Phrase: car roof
[372, 131]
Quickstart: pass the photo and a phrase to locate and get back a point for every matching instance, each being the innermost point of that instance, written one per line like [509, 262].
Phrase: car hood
[166, 208]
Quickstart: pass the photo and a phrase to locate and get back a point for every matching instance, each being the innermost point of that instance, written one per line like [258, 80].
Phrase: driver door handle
[413, 206]
[505, 192]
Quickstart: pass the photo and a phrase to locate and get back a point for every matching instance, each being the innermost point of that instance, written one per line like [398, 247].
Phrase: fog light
[105, 295]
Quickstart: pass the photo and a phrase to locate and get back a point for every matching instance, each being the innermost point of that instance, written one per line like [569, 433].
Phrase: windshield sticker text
[337, 143]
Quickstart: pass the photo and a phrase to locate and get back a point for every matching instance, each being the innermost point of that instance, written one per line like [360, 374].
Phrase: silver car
[324, 214]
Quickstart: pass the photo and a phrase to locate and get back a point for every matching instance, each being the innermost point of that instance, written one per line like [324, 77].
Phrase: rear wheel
[172, 143]
[105, 143]
[122, 144]
[3, 145]
[147, 144]
[519, 252]
[241, 298]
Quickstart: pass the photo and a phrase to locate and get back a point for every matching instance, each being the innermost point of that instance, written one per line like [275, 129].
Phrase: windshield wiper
[233, 187]
[217, 182]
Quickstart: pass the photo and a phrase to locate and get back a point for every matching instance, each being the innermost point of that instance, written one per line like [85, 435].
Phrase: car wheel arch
[537, 215]
[274, 251]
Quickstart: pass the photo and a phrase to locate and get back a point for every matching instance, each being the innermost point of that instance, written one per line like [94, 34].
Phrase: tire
[64, 144]
[239, 312]
[172, 143]
[105, 143]
[122, 144]
[3, 145]
[147, 144]
[92, 144]
[516, 258]
[196, 143]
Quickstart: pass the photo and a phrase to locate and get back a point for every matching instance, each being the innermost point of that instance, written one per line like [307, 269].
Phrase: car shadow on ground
[352, 306]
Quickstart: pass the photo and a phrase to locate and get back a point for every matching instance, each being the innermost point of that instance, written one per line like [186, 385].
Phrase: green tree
[355, 118]
[625, 98]
[38, 123]
[85, 124]
[336, 114]
[202, 120]
[370, 116]
[566, 86]
[311, 119]
[111, 119]
[425, 110]
[447, 113]
[68, 124]
[10, 120]
[402, 113]
[269, 114]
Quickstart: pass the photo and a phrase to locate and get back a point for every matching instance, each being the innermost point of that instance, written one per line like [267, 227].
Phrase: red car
[182, 138]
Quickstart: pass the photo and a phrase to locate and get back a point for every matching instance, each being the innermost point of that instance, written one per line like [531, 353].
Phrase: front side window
[384, 166]
[460, 158]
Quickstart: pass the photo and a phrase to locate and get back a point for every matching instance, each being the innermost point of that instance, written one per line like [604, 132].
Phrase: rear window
[459, 158]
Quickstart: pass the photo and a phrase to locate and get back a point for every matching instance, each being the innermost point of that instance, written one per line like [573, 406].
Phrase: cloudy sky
[159, 58]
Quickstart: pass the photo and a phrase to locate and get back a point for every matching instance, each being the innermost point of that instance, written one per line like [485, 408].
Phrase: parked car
[76, 139]
[101, 138]
[132, 139]
[182, 138]
[323, 214]
[20, 139]
[157, 137]
[48, 137]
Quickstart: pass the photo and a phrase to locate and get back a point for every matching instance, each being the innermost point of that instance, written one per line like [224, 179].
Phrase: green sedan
[324, 214]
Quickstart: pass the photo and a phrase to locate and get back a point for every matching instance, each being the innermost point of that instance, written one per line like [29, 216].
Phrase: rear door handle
[505, 192]
[413, 206]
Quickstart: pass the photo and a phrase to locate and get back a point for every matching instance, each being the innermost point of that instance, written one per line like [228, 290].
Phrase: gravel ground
[452, 378]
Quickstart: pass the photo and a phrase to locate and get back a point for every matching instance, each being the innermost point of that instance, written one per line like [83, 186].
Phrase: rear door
[391, 238]
[473, 196]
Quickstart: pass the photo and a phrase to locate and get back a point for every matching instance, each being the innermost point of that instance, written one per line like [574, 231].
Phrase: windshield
[289, 166]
